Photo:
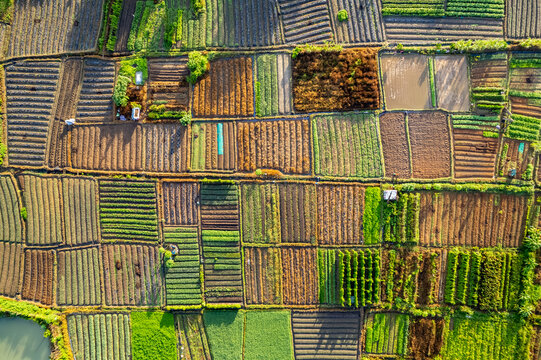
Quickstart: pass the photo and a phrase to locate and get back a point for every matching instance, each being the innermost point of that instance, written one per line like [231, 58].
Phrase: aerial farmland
[270, 179]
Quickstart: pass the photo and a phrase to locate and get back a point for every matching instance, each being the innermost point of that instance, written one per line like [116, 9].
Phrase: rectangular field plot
[10, 211]
[51, 27]
[273, 92]
[326, 334]
[225, 333]
[68, 92]
[80, 210]
[452, 85]
[394, 141]
[128, 210]
[471, 219]
[430, 145]
[526, 107]
[465, 8]
[413, 8]
[95, 100]
[214, 146]
[487, 279]
[167, 83]
[227, 89]
[488, 70]
[299, 275]
[297, 213]
[349, 278]
[305, 21]
[263, 275]
[386, 333]
[166, 148]
[38, 276]
[43, 203]
[11, 262]
[223, 268]
[347, 145]
[107, 147]
[132, 275]
[182, 280]
[364, 21]
[219, 206]
[267, 334]
[411, 276]
[30, 95]
[260, 205]
[282, 145]
[430, 30]
[105, 336]
[406, 83]
[517, 155]
[192, 337]
[523, 19]
[336, 80]
[179, 203]
[340, 214]
[474, 154]
[483, 337]
[79, 282]
[525, 74]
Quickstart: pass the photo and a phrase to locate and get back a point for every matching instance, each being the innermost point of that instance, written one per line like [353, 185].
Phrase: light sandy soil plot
[452, 85]
[406, 83]
[430, 145]
[474, 154]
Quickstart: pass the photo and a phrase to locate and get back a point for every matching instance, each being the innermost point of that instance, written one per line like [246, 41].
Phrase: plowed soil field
[179, 203]
[430, 145]
[394, 140]
[282, 145]
[474, 154]
[11, 262]
[263, 275]
[299, 275]
[38, 276]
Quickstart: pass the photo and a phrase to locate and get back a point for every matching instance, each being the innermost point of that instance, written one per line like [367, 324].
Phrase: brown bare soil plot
[519, 156]
[107, 147]
[227, 89]
[394, 140]
[124, 24]
[219, 207]
[471, 219]
[166, 148]
[179, 203]
[263, 276]
[452, 84]
[297, 213]
[11, 261]
[340, 214]
[299, 275]
[474, 154]
[525, 106]
[488, 70]
[327, 81]
[430, 145]
[132, 275]
[282, 145]
[406, 83]
[426, 337]
[71, 76]
[214, 146]
[167, 82]
[38, 276]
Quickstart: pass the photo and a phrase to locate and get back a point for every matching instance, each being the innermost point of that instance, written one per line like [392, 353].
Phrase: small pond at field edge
[22, 339]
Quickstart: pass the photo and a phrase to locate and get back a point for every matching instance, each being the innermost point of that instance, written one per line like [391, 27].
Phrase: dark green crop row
[401, 219]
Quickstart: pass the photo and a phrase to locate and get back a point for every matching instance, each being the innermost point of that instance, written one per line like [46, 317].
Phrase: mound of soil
[426, 338]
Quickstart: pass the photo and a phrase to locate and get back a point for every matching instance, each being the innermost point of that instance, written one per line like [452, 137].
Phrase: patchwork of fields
[273, 179]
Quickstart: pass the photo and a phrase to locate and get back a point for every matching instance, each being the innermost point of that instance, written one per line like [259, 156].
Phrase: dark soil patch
[426, 338]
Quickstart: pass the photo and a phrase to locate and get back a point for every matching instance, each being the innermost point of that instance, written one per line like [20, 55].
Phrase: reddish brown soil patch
[299, 275]
[297, 213]
[226, 90]
[11, 256]
[524, 106]
[395, 145]
[430, 145]
[38, 276]
[336, 80]
[281, 145]
[471, 219]
[263, 275]
[474, 154]
[179, 203]
[488, 73]
[426, 338]
[340, 213]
